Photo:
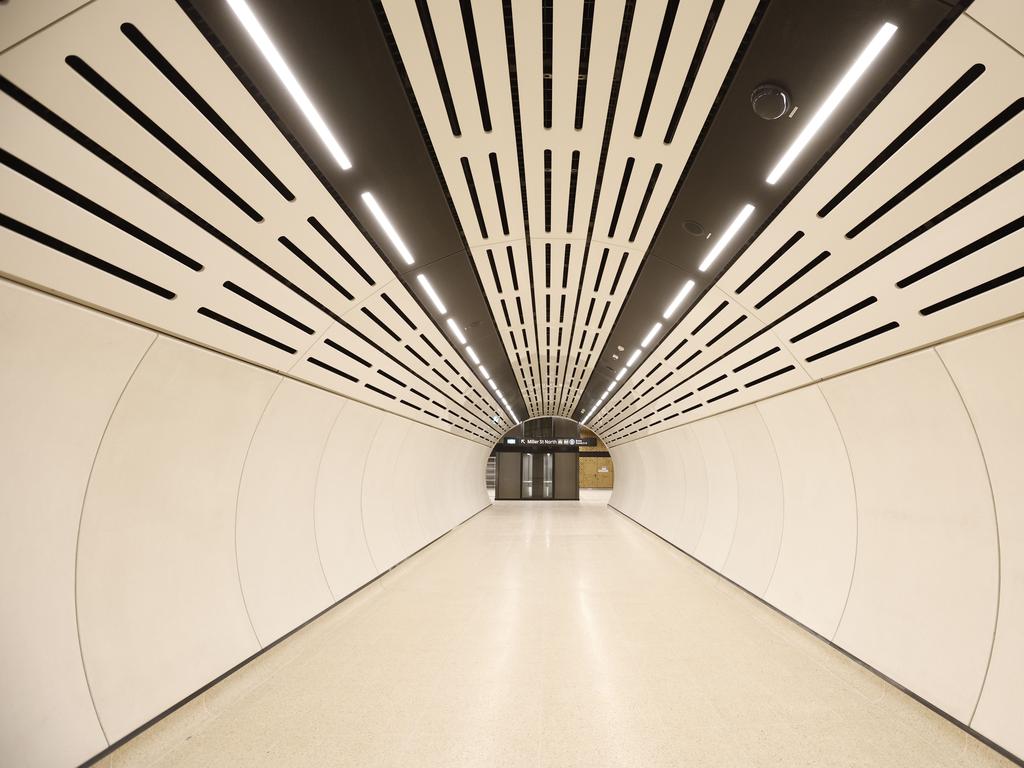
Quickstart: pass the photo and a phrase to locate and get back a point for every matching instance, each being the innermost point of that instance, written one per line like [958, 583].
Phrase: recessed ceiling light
[484, 372]
[633, 357]
[472, 355]
[683, 293]
[853, 74]
[621, 373]
[281, 69]
[456, 330]
[388, 227]
[429, 289]
[727, 236]
[650, 335]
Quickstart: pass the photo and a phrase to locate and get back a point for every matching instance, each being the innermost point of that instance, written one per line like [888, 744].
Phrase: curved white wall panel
[720, 524]
[989, 373]
[278, 563]
[759, 517]
[812, 578]
[160, 608]
[923, 603]
[695, 488]
[380, 519]
[63, 370]
[339, 504]
[662, 501]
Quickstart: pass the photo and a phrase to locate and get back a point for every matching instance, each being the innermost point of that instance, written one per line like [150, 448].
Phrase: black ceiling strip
[667, 22]
[709, 318]
[978, 290]
[314, 266]
[332, 369]
[391, 378]
[471, 186]
[793, 278]
[474, 60]
[834, 319]
[119, 100]
[722, 396]
[48, 182]
[147, 49]
[962, 149]
[322, 231]
[547, 190]
[547, 265]
[756, 360]
[547, 32]
[565, 269]
[627, 171]
[508, 320]
[266, 307]
[86, 258]
[947, 98]
[581, 79]
[496, 177]
[422, 7]
[337, 347]
[726, 330]
[711, 383]
[573, 178]
[433, 349]
[695, 62]
[494, 269]
[406, 402]
[771, 375]
[381, 324]
[961, 253]
[618, 274]
[380, 391]
[769, 261]
[398, 311]
[692, 408]
[854, 341]
[418, 356]
[512, 267]
[235, 325]
[600, 269]
[688, 360]
[646, 200]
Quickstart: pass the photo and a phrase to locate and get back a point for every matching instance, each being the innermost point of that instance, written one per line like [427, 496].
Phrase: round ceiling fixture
[770, 102]
[694, 228]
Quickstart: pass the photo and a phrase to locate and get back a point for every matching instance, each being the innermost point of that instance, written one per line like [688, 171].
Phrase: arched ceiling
[556, 173]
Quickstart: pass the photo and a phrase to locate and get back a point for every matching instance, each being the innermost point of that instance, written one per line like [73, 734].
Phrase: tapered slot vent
[494, 269]
[143, 120]
[565, 268]
[581, 81]
[85, 258]
[695, 64]
[711, 383]
[512, 268]
[332, 369]
[978, 290]
[590, 312]
[623, 187]
[769, 261]
[547, 311]
[793, 278]
[692, 408]
[422, 6]
[417, 355]
[688, 360]
[57, 188]
[519, 309]
[381, 324]
[391, 378]
[962, 149]
[433, 349]
[547, 26]
[398, 311]
[646, 200]
[508, 320]
[756, 360]
[709, 318]
[314, 266]
[474, 60]
[854, 341]
[331, 241]
[561, 318]
[834, 319]
[769, 376]
[380, 391]
[266, 307]
[547, 190]
[675, 349]
[618, 273]
[722, 396]
[496, 177]
[416, 407]
[600, 270]
[604, 315]
[656, 61]
[573, 176]
[175, 78]
[961, 253]
[729, 328]
[547, 265]
[947, 98]
[471, 186]
[235, 325]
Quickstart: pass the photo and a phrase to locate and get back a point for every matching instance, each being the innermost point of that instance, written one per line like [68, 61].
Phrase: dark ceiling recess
[340, 55]
[807, 46]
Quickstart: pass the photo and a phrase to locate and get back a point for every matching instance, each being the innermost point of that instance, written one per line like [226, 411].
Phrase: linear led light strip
[279, 65]
[843, 87]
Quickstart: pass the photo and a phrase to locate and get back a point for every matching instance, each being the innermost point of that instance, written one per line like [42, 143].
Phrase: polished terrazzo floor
[553, 634]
